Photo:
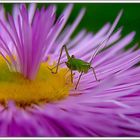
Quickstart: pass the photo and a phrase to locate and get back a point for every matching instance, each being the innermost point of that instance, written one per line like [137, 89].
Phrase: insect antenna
[104, 42]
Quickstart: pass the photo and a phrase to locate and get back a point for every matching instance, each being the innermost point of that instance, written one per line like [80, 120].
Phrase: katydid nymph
[79, 65]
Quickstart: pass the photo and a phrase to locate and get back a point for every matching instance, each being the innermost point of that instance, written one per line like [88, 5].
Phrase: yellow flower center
[47, 87]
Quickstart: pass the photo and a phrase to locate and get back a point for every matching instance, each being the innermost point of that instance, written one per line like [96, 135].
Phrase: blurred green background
[97, 14]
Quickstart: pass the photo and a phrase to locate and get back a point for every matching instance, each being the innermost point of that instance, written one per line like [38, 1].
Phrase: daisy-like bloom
[36, 102]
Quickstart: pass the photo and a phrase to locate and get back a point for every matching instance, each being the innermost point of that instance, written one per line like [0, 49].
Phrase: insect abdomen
[79, 65]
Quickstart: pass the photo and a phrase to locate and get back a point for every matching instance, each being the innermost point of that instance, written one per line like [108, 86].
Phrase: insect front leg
[78, 80]
[95, 74]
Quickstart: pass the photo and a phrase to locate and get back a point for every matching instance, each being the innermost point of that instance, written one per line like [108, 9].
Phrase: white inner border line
[69, 1]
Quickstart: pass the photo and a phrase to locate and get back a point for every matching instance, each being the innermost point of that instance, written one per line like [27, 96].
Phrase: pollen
[47, 87]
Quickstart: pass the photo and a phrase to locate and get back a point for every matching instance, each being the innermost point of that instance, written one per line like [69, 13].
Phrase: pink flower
[31, 37]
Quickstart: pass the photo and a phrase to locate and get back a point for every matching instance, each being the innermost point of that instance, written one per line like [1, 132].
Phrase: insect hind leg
[68, 56]
[51, 69]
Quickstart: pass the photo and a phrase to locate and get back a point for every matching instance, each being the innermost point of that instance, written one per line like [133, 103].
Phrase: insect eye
[73, 56]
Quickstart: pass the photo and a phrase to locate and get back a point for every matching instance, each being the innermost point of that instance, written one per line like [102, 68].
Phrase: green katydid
[79, 65]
